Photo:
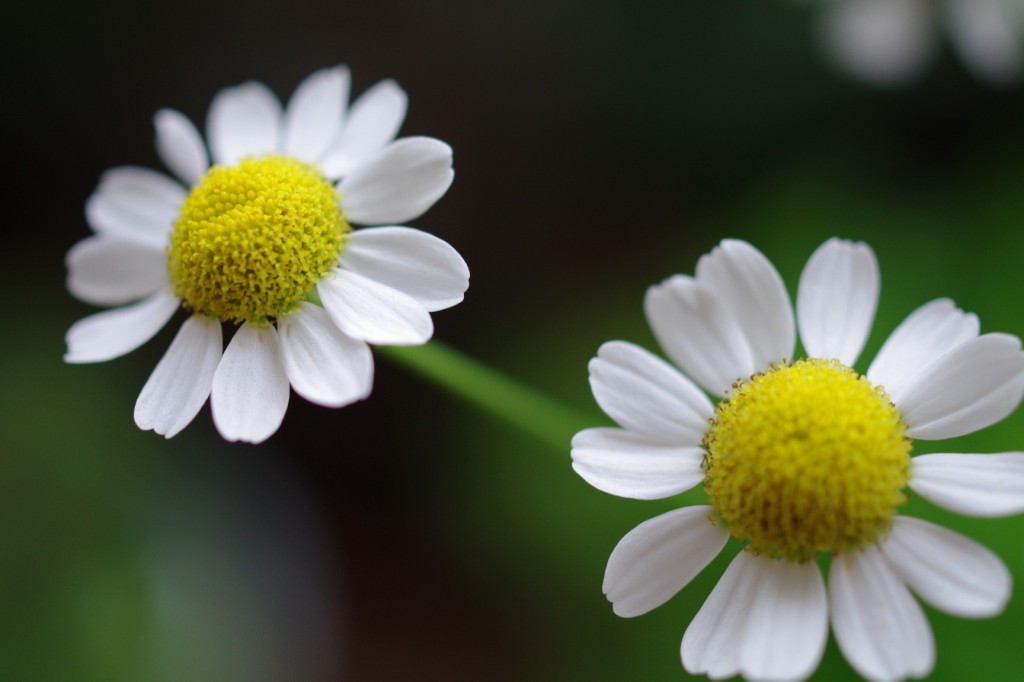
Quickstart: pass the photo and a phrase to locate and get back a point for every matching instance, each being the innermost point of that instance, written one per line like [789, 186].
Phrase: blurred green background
[600, 146]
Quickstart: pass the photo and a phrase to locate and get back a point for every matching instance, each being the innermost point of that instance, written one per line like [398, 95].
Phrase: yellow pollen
[805, 458]
[253, 239]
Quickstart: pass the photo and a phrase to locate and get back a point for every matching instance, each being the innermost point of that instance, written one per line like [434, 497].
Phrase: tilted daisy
[261, 242]
[803, 459]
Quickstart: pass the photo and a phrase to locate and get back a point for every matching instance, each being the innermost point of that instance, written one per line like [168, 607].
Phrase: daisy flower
[892, 41]
[261, 242]
[803, 459]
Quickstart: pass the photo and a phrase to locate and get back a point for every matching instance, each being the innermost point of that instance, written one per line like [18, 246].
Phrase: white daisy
[262, 239]
[803, 459]
[892, 41]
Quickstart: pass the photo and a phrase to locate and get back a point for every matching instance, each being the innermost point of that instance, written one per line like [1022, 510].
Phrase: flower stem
[518, 404]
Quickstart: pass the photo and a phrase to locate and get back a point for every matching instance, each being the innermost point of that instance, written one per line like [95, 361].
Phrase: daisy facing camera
[262, 241]
[803, 459]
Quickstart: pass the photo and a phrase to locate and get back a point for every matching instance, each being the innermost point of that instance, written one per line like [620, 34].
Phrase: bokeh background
[600, 146]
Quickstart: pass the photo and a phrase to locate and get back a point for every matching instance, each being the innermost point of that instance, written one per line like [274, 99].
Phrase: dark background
[600, 146]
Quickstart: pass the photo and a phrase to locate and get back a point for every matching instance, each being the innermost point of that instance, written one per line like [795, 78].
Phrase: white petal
[373, 122]
[930, 331]
[399, 183]
[882, 41]
[315, 113]
[879, 626]
[972, 485]
[949, 571]
[373, 312]
[645, 394]
[107, 270]
[628, 465]
[988, 37]
[112, 333]
[416, 263]
[729, 321]
[837, 299]
[766, 619]
[324, 365]
[785, 637]
[244, 120]
[250, 387]
[713, 642]
[697, 333]
[659, 557]
[180, 146]
[746, 283]
[135, 203]
[181, 382]
[976, 384]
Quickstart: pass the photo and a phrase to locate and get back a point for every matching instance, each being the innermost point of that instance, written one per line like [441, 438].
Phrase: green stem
[516, 403]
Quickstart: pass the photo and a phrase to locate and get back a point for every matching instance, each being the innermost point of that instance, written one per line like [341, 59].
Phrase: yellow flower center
[807, 457]
[252, 240]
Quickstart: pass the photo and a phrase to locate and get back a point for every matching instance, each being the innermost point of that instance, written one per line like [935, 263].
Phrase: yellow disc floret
[253, 239]
[805, 458]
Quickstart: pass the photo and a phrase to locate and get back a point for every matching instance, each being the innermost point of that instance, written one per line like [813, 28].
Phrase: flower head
[892, 41]
[262, 242]
[803, 459]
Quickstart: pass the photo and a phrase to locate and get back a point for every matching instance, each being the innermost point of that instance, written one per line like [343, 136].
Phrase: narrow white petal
[398, 183]
[882, 41]
[416, 263]
[927, 333]
[837, 299]
[972, 485]
[180, 146]
[729, 321]
[949, 571]
[324, 365]
[244, 120]
[976, 384]
[713, 642]
[181, 382]
[879, 626]
[106, 270]
[785, 637]
[660, 557]
[748, 285]
[373, 121]
[697, 333]
[250, 388]
[627, 464]
[316, 113]
[113, 333]
[135, 203]
[372, 312]
[645, 394]
[988, 36]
